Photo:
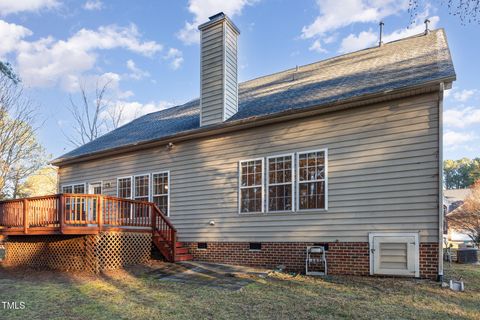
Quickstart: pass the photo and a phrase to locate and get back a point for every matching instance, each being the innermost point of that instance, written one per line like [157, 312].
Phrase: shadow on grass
[137, 292]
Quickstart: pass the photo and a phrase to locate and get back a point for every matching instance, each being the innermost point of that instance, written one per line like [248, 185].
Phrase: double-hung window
[124, 187]
[74, 188]
[312, 180]
[251, 186]
[142, 187]
[74, 207]
[161, 190]
[280, 176]
[294, 182]
[67, 189]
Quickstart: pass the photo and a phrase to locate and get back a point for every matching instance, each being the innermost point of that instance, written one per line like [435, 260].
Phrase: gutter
[440, 182]
[255, 121]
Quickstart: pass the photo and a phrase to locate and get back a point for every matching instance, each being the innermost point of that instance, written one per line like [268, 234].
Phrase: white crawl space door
[394, 254]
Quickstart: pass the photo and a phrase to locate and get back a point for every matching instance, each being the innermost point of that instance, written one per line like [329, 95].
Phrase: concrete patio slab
[220, 276]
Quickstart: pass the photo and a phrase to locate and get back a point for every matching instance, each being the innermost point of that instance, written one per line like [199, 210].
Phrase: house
[453, 200]
[343, 153]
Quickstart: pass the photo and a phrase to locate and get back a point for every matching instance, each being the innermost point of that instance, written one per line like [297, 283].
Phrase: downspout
[440, 183]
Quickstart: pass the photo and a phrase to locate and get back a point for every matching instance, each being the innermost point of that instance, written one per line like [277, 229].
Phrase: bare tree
[466, 218]
[468, 11]
[115, 115]
[87, 116]
[20, 152]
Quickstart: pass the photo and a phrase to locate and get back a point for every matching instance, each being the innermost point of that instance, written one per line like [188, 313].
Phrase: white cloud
[132, 110]
[175, 57]
[202, 9]
[366, 39]
[49, 62]
[461, 117]
[11, 34]
[317, 47]
[330, 39]
[93, 5]
[337, 14]
[356, 42]
[136, 73]
[16, 6]
[463, 95]
[456, 139]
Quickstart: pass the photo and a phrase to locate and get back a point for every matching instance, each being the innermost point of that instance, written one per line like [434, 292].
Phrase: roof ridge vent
[427, 31]
[380, 42]
[294, 73]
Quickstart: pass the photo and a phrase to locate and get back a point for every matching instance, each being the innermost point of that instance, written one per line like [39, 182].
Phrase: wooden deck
[86, 214]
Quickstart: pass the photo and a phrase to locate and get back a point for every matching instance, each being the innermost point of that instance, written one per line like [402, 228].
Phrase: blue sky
[148, 51]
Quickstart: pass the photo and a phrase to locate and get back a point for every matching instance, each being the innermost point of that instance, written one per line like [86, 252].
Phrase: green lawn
[139, 295]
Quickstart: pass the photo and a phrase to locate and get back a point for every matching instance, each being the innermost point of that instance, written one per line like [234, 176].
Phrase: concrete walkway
[220, 276]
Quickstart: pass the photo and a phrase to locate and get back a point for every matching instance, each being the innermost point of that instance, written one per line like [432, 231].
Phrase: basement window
[202, 245]
[255, 246]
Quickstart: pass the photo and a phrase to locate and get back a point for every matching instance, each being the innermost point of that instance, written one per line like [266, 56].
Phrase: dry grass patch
[137, 294]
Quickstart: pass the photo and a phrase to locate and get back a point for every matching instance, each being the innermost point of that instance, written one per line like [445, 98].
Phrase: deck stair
[84, 214]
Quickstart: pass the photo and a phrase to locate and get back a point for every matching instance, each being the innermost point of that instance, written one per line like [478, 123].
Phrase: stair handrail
[172, 240]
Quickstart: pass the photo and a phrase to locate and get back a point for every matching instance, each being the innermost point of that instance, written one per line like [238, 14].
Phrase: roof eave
[255, 121]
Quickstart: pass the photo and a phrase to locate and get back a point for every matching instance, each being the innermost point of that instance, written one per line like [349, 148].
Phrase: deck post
[100, 212]
[25, 216]
[153, 217]
[174, 246]
[61, 213]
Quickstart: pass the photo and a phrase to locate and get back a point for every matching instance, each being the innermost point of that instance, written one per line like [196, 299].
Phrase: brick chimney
[218, 70]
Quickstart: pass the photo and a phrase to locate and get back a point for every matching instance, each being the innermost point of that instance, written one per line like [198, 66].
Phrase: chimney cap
[218, 15]
[217, 18]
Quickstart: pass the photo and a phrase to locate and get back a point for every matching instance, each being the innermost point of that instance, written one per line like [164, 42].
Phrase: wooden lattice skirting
[92, 253]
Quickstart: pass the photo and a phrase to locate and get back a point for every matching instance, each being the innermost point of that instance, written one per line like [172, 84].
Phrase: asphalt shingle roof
[396, 65]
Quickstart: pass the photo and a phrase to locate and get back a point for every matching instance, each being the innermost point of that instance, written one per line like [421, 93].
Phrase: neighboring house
[453, 199]
[342, 152]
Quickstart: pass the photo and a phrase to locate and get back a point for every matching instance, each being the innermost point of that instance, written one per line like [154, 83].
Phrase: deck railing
[69, 211]
[87, 214]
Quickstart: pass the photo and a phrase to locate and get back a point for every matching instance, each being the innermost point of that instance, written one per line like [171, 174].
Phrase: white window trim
[297, 181]
[92, 183]
[168, 191]
[134, 185]
[268, 184]
[73, 185]
[131, 185]
[240, 186]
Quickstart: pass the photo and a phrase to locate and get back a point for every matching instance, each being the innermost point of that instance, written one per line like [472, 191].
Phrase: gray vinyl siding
[212, 74]
[231, 81]
[219, 92]
[382, 164]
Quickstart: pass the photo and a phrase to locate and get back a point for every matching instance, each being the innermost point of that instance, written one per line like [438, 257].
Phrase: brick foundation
[343, 258]
[429, 260]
